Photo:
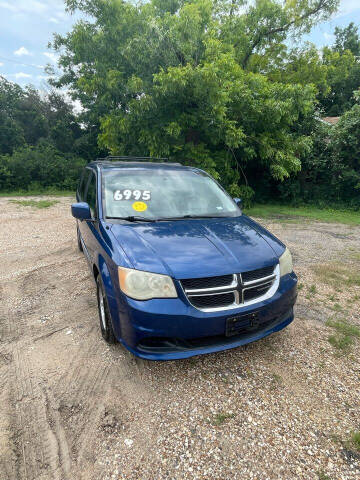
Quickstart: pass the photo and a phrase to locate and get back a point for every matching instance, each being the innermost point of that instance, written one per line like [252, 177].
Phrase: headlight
[145, 285]
[285, 261]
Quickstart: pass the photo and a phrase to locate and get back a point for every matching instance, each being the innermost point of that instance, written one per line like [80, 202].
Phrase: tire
[80, 247]
[106, 327]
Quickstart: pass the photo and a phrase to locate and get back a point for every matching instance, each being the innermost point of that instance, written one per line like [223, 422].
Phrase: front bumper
[169, 329]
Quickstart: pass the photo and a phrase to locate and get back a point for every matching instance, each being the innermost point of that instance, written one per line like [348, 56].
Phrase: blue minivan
[179, 269]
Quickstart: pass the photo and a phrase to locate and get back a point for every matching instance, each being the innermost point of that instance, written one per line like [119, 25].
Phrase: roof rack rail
[132, 158]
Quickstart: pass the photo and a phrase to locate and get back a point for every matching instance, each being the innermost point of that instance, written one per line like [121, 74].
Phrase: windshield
[164, 193]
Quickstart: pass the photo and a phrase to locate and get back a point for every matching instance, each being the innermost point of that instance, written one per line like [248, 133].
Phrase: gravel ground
[72, 407]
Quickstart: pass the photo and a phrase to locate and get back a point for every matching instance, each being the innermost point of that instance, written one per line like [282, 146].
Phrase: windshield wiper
[201, 216]
[136, 218]
[192, 216]
[184, 217]
[133, 218]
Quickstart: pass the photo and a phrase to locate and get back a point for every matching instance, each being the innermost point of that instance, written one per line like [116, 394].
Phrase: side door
[89, 228]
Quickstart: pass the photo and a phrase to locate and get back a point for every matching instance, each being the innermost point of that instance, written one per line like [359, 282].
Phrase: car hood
[197, 247]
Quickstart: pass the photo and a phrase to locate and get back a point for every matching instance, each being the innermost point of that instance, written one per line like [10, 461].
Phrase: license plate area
[241, 324]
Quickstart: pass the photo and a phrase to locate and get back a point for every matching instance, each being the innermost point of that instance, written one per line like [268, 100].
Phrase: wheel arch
[101, 268]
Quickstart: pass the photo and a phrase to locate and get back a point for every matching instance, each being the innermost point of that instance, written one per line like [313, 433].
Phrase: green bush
[39, 167]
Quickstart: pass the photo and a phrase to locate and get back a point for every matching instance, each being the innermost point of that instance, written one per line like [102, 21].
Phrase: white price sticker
[129, 194]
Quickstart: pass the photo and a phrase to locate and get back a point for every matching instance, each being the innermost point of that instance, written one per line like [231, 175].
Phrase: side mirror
[238, 202]
[81, 211]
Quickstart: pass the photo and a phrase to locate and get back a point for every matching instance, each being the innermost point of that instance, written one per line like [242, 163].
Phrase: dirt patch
[73, 407]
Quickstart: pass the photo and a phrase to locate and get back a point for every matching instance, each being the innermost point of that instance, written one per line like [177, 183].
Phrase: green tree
[343, 78]
[347, 38]
[181, 78]
[345, 145]
[28, 117]
[11, 133]
[304, 66]
[342, 62]
[42, 142]
[39, 167]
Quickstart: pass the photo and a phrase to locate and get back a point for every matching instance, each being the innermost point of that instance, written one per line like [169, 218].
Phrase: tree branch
[283, 28]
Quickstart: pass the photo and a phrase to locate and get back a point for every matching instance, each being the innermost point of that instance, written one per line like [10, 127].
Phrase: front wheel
[104, 313]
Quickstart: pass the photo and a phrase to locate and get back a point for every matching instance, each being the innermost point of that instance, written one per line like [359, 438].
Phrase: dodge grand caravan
[179, 269]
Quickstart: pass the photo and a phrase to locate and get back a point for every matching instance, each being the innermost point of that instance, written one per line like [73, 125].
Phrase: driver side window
[91, 194]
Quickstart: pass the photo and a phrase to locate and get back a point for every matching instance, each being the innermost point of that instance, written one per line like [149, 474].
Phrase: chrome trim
[270, 292]
[233, 284]
[262, 284]
[239, 302]
[218, 309]
[259, 280]
[211, 293]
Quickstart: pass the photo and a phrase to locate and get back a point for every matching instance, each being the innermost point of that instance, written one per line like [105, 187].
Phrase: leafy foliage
[343, 78]
[347, 38]
[41, 141]
[41, 166]
[176, 78]
[209, 83]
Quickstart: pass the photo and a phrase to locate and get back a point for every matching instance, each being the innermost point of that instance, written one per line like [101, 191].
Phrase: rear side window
[91, 194]
[83, 183]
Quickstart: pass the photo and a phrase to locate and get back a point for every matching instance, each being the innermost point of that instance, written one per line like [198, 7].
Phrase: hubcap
[102, 309]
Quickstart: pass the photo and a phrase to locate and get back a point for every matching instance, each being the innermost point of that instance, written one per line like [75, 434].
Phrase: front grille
[213, 301]
[229, 291]
[256, 292]
[206, 282]
[257, 274]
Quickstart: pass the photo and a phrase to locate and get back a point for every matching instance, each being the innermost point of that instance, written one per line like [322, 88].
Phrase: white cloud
[22, 51]
[328, 36]
[22, 75]
[9, 6]
[1, 64]
[54, 20]
[37, 7]
[27, 6]
[348, 6]
[51, 56]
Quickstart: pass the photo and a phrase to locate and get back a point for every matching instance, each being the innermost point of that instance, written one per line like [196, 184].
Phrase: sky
[26, 27]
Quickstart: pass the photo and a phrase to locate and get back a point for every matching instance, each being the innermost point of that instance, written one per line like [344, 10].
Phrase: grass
[299, 214]
[355, 440]
[35, 203]
[341, 343]
[345, 328]
[220, 418]
[323, 476]
[311, 292]
[345, 334]
[38, 193]
[336, 274]
[336, 307]
[276, 380]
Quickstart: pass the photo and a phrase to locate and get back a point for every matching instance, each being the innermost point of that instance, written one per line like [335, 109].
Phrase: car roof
[107, 165]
